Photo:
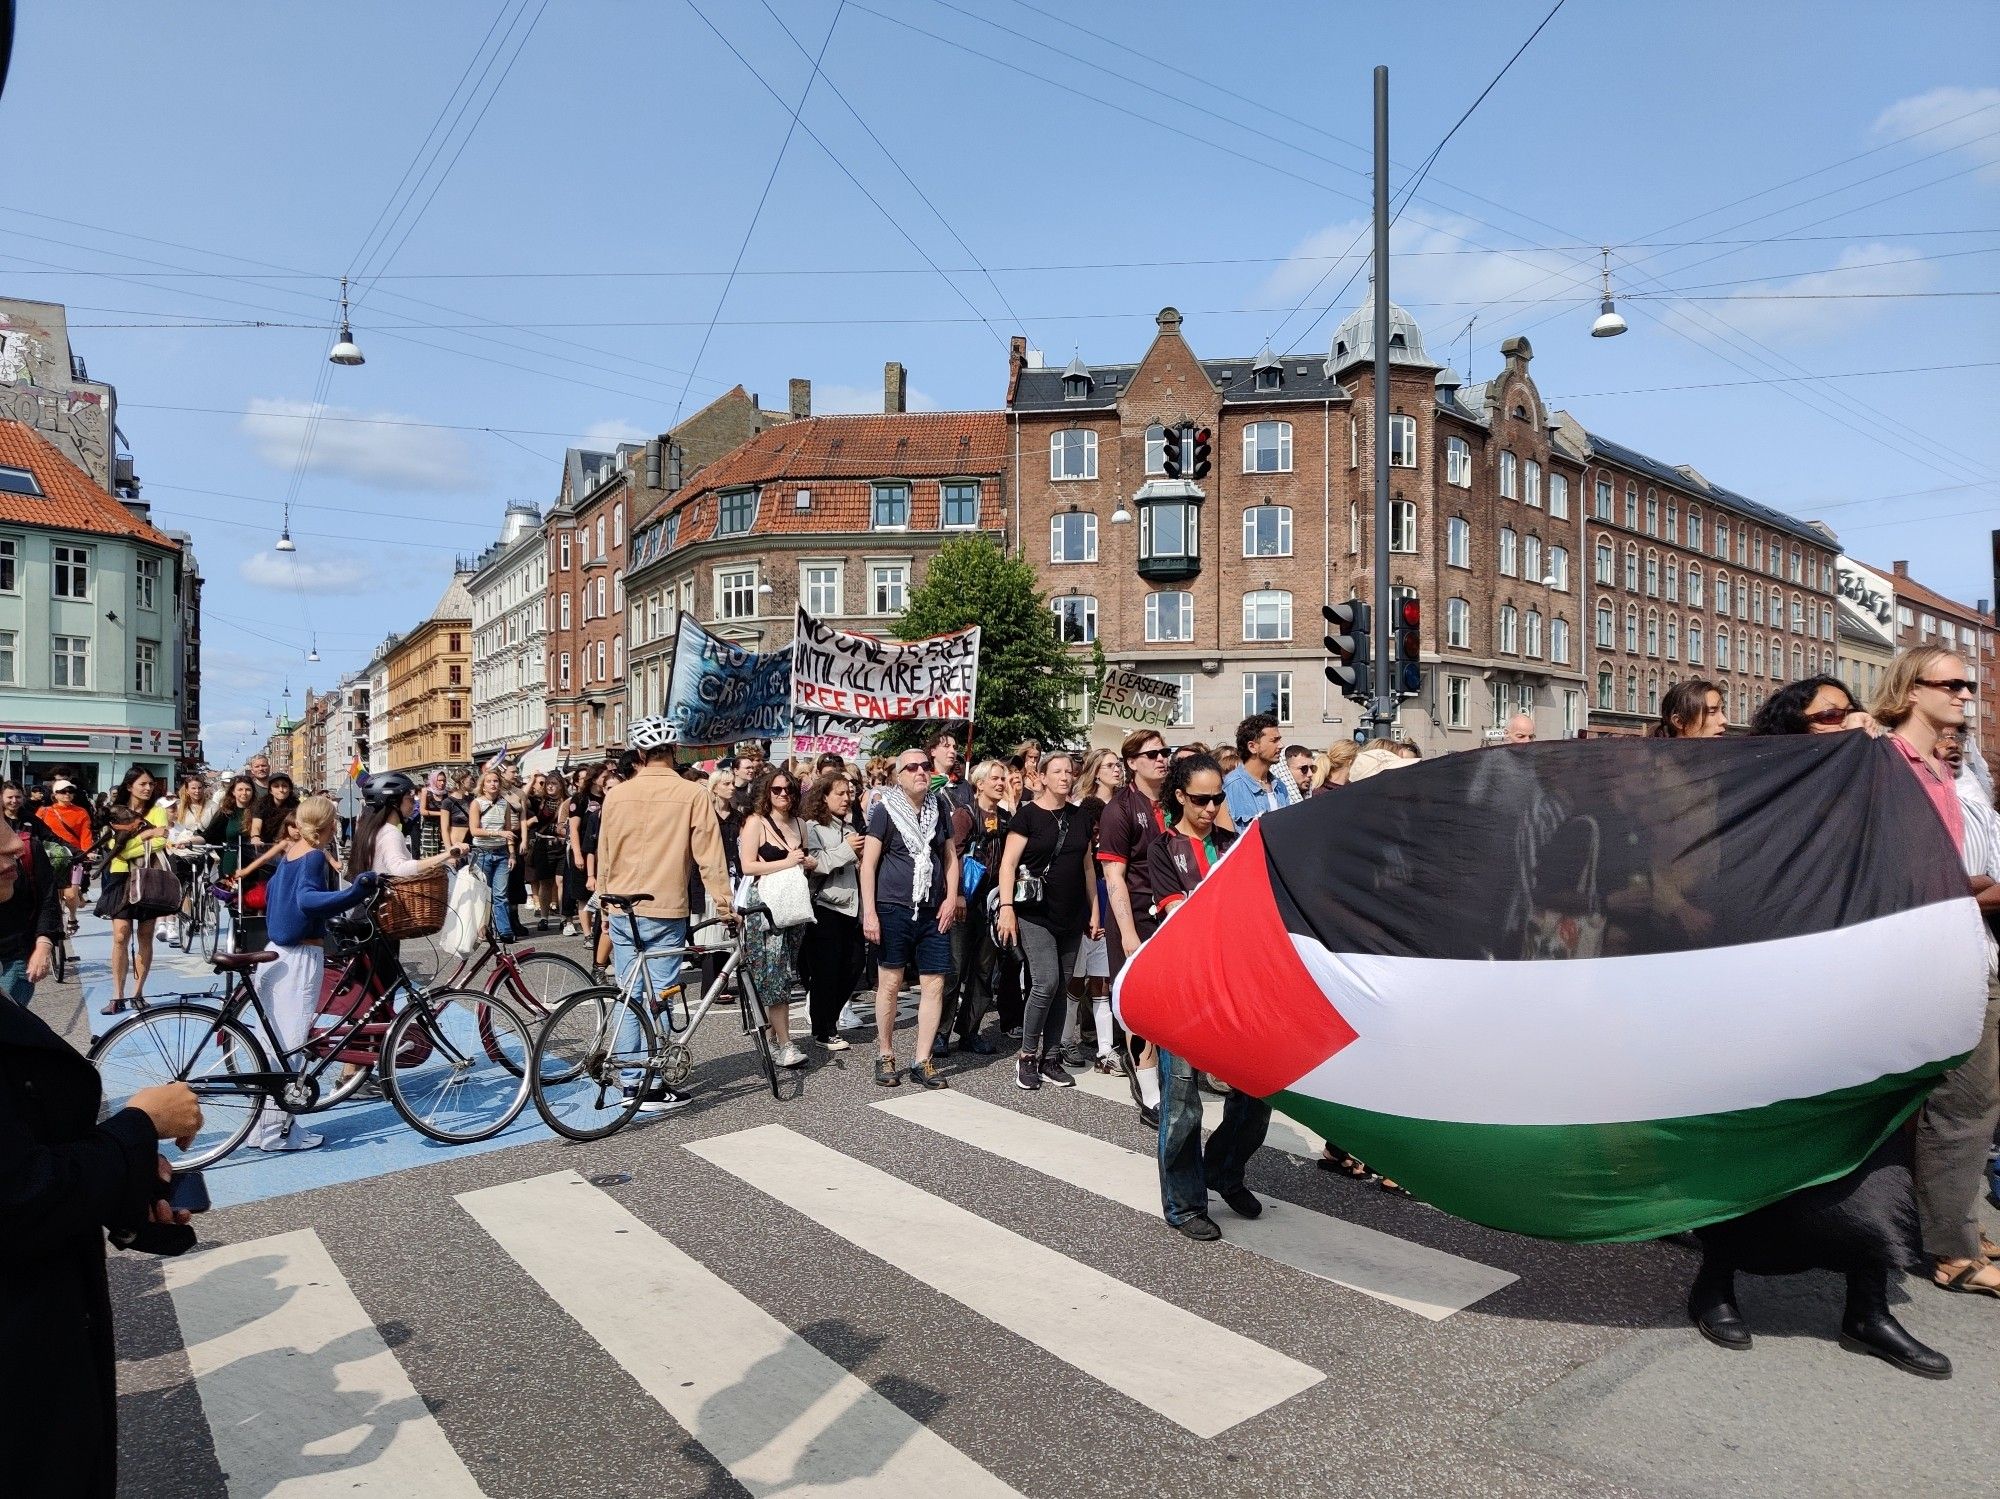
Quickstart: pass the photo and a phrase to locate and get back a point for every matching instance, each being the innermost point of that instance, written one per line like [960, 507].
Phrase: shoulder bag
[1031, 887]
[151, 889]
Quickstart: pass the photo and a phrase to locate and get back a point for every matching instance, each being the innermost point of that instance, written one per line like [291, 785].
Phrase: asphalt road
[860, 1290]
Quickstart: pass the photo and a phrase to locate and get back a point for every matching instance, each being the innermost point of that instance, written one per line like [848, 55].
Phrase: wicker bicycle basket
[412, 907]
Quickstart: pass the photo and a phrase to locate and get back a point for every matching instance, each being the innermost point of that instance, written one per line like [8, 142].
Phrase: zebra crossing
[304, 1395]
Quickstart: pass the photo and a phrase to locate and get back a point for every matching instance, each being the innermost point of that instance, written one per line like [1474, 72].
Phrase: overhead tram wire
[749, 229]
[936, 212]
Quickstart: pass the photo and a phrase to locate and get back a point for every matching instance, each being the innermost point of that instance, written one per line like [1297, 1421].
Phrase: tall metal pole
[1384, 707]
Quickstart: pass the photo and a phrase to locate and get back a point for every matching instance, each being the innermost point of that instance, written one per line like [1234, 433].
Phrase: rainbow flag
[354, 770]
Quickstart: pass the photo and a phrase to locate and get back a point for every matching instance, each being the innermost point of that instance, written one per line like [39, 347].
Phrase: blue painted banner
[718, 692]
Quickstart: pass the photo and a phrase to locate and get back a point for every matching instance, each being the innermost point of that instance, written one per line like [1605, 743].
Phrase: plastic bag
[468, 911]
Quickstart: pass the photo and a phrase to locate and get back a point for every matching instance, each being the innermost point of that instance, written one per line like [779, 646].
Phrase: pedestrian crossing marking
[1430, 1282]
[301, 1394]
[780, 1415]
[1285, 1134]
[1134, 1342]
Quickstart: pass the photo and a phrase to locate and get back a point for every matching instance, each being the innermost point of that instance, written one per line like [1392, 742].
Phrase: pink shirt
[1938, 785]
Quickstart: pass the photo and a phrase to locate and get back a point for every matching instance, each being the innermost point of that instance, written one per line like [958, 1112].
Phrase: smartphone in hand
[188, 1193]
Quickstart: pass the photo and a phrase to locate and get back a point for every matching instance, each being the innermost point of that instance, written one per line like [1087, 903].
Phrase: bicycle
[200, 920]
[603, 1047]
[452, 1062]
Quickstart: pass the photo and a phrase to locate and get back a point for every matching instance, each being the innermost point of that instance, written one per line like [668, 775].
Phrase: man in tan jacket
[654, 831]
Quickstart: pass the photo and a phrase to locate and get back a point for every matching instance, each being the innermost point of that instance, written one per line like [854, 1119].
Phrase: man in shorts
[909, 903]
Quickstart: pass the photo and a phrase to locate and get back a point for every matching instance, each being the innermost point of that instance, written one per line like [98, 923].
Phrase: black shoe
[1077, 1055]
[1027, 1072]
[1243, 1202]
[1149, 1116]
[979, 1046]
[941, 1047]
[1201, 1228]
[886, 1073]
[1868, 1327]
[926, 1075]
[1712, 1308]
[1054, 1073]
[660, 1099]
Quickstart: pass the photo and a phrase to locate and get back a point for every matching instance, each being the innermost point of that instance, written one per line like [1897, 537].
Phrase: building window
[1531, 634]
[1652, 574]
[735, 512]
[822, 580]
[1606, 627]
[602, 550]
[1268, 692]
[736, 593]
[1457, 462]
[1531, 493]
[1531, 558]
[1632, 629]
[1169, 616]
[892, 507]
[1694, 590]
[1267, 448]
[1458, 542]
[1606, 568]
[1073, 454]
[1673, 638]
[959, 504]
[146, 583]
[1509, 641]
[455, 676]
[1510, 477]
[1457, 702]
[1722, 593]
[1073, 537]
[1722, 538]
[1603, 504]
[889, 587]
[1559, 569]
[1631, 568]
[618, 524]
[72, 572]
[1694, 642]
[145, 667]
[71, 658]
[802, 500]
[19, 481]
[1402, 442]
[673, 535]
[1604, 688]
[1631, 692]
[562, 611]
[1558, 497]
[1673, 520]
[456, 743]
[1631, 506]
[617, 591]
[1559, 641]
[1798, 615]
[1510, 565]
[1184, 704]
[1402, 525]
[1156, 449]
[1458, 623]
[10, 672]
[562, 671]
[562, 552]
[1076, 618]
[1267, 615]
[1167, 529]
[1722, 653]
[1652, 632]
[1652, 513]
[1652, 692]
[1267, 531]
[1694, 528]
[601, 610]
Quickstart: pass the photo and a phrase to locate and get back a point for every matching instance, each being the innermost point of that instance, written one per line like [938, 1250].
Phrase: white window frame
[893, 576]
[1087, 616]
[1157, 622]
[1458, 623]
[731, 500]
[731, 587]
[146, 583]
[1057, 526]
[1558, 496]
[1458, 542]
[1279, 602]
[1559, 640]
[1507, 636]
[10, 658]
[10, 564]
[1059, 448]
[823, 599]
[1403, 526]
[1510, 476]
[78, 653]
[1531, 634]
[1457, 702]
[1184, 707]
[1531, 557]
[1281, 691]
[1510, 553]
[1458, 462]
[1156, 450]
[70, 564]
[1559, 568]
[1251, 515]
[1531, 483]
[1402, 442]
[145, 668]
[1253, 448]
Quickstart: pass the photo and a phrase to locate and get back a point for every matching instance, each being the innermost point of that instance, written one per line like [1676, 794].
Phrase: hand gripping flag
[1594, 991]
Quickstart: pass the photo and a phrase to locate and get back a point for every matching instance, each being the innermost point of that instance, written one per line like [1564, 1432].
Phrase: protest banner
[1127, 700]
[718, 692]
[845, 675]
[847, 746]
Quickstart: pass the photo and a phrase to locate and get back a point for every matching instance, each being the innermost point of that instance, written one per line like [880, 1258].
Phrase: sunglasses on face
[1152, 754]
[1829, 715]
[913, 765]
[1199, 799]
[781, 791]
[1952, 685]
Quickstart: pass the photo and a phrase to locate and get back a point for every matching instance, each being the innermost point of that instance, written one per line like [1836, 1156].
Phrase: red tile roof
[1925, 598]
[70, 500]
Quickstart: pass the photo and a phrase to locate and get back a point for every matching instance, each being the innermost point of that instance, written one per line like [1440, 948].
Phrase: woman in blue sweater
[304, 894]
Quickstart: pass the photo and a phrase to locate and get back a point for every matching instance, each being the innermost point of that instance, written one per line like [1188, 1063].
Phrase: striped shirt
[1981, 847]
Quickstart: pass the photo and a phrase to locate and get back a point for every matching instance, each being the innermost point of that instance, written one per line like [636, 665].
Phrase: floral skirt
[771, 957]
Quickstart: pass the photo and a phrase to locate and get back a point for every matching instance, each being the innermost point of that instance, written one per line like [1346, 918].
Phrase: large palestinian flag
[1599, 990]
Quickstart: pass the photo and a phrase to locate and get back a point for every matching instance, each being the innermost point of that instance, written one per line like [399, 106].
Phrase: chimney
[802, 400]
[895, 387]
[1901, 569]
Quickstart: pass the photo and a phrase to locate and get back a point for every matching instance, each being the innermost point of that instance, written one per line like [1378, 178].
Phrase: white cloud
[369, 446]
[1823, 303]
[605, 436]
[1965, 119]
[839, 400]
[287, 572]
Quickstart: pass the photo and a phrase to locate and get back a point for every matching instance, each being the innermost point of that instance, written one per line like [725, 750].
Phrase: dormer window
[1076, 387]
[1270, 379]
[19, 481]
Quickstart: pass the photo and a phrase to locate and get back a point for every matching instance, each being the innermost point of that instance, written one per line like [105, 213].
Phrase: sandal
[1965, 1280]
[1388, 1186]
[115, 1007]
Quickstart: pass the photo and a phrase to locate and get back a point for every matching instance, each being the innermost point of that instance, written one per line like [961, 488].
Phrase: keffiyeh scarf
[918, 828]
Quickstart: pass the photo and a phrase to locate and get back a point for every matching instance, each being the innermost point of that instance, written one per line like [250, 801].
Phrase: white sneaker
[298, 1139]
[789, 1055]
[569, 928]
[836, 1043]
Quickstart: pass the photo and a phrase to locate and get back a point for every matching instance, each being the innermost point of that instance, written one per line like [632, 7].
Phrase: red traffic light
[1409, 614]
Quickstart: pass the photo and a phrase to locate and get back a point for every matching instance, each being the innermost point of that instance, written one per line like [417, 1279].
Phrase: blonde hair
[314, 816]
[1896, 698]
[976, 777]
[1337, 759]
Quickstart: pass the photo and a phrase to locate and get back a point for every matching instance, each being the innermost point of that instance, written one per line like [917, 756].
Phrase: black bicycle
[453, 1062]
[201, 918]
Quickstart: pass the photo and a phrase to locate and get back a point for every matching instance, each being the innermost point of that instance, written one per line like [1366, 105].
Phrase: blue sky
[627, 138]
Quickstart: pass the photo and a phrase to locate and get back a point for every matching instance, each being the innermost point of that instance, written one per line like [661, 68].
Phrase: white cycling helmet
[650, 733]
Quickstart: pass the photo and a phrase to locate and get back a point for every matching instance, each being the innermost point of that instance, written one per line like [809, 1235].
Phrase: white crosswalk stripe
[1111, 1331]
[781, 1416]
[1285, 1134]
[1429, 1282]
[302, 1395]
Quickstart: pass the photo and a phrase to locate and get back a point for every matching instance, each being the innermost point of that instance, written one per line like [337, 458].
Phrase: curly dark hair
[1179, 774]
[760, 796]
[1784, 711]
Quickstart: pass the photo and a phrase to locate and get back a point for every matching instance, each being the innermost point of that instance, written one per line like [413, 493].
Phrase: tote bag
[152, 889]
[787, 895]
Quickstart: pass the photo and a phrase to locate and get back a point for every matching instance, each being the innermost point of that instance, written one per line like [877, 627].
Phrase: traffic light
[1197, 466]
[1171, 460]
[1407, 647]
[1347, 642]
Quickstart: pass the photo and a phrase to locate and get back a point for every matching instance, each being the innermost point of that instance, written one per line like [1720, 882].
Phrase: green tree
[1026, 674]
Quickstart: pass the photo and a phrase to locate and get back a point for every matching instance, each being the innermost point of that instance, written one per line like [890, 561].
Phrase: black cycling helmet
[387, 790]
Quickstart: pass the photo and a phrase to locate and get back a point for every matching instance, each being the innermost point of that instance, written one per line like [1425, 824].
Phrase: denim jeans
[14, 982]
[492, 866]
[1188, 1170]
[660, 934]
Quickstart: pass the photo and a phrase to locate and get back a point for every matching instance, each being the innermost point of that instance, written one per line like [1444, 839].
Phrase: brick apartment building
[1926, 617]
[429, 687]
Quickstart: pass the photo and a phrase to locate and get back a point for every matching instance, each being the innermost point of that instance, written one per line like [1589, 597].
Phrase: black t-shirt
[1058, 850]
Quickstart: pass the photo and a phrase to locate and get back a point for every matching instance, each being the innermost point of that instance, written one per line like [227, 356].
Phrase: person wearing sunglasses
[1176, 863]
[1815, 705]
[1132, 823]
[909, 903]
[772, 840]
[1924, 696]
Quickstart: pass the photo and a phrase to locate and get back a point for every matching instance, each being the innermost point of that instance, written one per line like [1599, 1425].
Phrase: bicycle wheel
[757, 1026]
[545, 980]
[211, 928]
[193, 1044]
[452, 1088]
[61, 960]
[591, 1063]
